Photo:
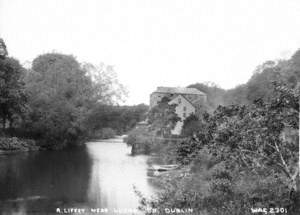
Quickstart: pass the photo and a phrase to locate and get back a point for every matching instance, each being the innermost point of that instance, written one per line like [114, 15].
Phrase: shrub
[16, 144]
[105, 133]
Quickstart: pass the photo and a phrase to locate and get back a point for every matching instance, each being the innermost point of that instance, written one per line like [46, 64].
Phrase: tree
[119, 118]
[252, 158]
[260, 86]
[254, 136]
[3, 50]
[215, 94]
[106, 86]
[245, 154]
[191, 125]
[65, 98]
[12, 95]
[163, 117]
[60, 95]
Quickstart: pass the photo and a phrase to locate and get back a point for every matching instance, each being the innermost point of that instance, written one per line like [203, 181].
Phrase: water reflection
[41, 181]
[100, 175]
[113, 175]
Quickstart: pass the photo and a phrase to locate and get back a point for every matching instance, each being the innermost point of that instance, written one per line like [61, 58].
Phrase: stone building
[188, 101]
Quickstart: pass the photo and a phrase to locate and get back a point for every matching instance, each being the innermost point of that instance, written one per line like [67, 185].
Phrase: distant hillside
[215, 94]
[259, 86]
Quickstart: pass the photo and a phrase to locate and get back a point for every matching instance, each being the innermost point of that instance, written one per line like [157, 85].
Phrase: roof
[183, 98]
[178, 90]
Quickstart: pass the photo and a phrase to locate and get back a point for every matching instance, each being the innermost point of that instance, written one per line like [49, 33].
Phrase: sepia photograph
[149, 107]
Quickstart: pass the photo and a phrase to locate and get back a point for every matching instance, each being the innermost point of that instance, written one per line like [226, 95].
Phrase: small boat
[162, 168]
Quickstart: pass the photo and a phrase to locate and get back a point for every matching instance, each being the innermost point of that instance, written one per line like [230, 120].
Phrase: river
[100, 175]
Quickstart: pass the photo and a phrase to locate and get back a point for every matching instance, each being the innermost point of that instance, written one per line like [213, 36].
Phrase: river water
[99, 176]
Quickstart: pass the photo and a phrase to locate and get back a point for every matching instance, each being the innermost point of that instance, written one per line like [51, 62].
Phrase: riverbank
[87, 177]
[162, 150]
[14, 144]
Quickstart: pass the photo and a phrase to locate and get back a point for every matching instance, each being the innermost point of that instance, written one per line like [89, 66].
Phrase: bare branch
[285, 166]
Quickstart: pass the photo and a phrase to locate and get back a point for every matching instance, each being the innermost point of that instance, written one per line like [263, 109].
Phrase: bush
[209, 187]
[105, 133]
[141, 140]
[241, 157]
[191, 125]
[144, 141]
[16, 144]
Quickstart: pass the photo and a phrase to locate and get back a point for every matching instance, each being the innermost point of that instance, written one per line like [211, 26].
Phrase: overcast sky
[154, 43]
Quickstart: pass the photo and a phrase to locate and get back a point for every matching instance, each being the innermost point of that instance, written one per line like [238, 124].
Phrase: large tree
[107, 88]
[12, 96]
[60, 94]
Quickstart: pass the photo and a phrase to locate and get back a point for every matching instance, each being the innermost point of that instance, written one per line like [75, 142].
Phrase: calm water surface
[100, 175]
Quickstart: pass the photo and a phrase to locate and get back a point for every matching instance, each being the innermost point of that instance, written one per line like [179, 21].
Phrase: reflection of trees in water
[45, 179]
[113, 175]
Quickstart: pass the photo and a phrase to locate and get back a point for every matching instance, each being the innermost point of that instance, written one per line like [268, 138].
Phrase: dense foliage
[243, 155]
[215, 94]
[59, 94]
[120, 118]
[191, 125]
[163, 118]
[12, 95]
[154, 136]
[60, 102]
[259, 86]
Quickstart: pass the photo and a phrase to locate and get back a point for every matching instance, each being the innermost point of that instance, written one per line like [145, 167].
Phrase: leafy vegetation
[60, 102]
[12, 94]
[215, 94]
[14, 143]
[120, 118]
[163, 118]
[156, 137]
[242, 155]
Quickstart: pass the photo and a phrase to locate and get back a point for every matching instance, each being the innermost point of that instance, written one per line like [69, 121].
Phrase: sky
[154, 43]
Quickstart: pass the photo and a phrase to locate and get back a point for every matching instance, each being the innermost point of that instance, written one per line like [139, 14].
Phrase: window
[184, 115]
[184, 108]
[179, 100]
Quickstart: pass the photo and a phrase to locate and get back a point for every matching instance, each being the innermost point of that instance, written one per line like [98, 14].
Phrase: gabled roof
[178, 90]
[183, 98]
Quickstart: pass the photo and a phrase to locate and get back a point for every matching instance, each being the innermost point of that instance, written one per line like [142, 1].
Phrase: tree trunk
[3, 123]
[10, 123]
[295, 180]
